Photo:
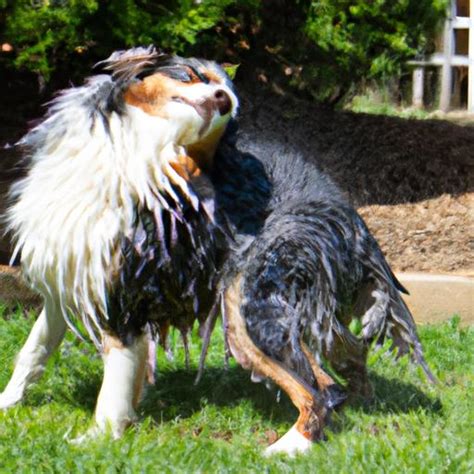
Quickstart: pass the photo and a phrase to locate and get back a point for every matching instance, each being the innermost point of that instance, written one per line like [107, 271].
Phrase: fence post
[418, 86]
[448, 47]
[470, 74]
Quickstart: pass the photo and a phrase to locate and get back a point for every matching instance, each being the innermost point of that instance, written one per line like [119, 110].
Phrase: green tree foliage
[323, 47]
[370, 39]
[43, 31]
[48, 32]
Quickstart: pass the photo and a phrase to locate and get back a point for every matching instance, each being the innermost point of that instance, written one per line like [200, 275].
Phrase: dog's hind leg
[310, 403]
[323, 379]
[122, 385]
[45, 336]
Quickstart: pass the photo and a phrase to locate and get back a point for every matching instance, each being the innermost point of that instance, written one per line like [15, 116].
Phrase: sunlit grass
[223, 424]
[382, 105]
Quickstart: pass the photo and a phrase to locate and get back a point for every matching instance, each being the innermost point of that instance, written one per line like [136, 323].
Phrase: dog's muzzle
[219, 101]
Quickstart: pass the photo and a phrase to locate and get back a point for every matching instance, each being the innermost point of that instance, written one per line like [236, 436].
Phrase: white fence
[447, 60]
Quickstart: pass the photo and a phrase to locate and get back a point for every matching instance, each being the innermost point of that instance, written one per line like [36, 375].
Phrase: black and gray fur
[308, 262]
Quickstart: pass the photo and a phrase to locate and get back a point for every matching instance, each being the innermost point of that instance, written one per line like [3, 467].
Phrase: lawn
[224, 423]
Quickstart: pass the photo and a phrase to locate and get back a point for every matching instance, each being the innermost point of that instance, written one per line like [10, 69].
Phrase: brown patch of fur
[163, 330]
[151, 94]
[186, 167]
[141, 373]
[323, 379]
[111, 342]
[213, 77]
[199, 158]
[312, 414]
[203, 151]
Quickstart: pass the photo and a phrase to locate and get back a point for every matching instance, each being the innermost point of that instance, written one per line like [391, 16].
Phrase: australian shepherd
[140, 212]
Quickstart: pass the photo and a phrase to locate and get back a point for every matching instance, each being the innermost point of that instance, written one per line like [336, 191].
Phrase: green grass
[371, 103]
[223, 424]
[379, 102]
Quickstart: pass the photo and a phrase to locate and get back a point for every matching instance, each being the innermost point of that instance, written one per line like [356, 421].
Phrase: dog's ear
[127, 64]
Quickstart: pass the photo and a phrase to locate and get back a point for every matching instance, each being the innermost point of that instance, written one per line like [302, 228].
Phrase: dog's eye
[177, 73]
[185, 74]
[202, 77]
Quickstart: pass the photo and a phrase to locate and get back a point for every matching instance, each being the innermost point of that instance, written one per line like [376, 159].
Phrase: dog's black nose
[223, 102]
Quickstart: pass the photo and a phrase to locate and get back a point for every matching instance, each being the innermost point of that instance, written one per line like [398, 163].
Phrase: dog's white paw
[291, 443]
[8, 400]
[115, 430]
[90, 435]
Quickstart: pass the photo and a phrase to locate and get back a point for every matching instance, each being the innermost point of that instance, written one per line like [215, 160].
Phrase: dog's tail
[397, 324]
[385, 313]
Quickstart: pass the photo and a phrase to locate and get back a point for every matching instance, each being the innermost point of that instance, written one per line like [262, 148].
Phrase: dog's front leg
[122, 385]
[45, 336]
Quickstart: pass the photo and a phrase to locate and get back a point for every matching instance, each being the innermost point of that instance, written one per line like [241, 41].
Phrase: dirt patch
[13, 289]
[435, 235]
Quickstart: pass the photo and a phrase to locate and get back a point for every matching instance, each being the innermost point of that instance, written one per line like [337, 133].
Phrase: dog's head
[195, 97]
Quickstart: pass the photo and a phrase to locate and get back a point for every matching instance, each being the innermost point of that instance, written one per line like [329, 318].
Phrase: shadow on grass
[175, 395]
[391, 396]
[396, 396]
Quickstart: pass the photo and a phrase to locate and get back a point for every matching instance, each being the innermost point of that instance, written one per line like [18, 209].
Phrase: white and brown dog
[123, 147]
[140, 211]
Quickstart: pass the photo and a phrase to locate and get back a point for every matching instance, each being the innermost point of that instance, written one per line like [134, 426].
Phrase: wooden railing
[447, 60]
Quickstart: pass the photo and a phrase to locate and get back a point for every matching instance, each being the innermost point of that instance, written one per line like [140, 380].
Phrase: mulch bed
[411, 180]
[435, 235]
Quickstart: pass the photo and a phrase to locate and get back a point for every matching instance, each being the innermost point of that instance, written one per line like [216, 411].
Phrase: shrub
[46, 33]
[322, 47]
[370, 39]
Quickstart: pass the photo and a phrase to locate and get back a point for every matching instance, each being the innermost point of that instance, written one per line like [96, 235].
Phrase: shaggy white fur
[98, 159]
[88, 175]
